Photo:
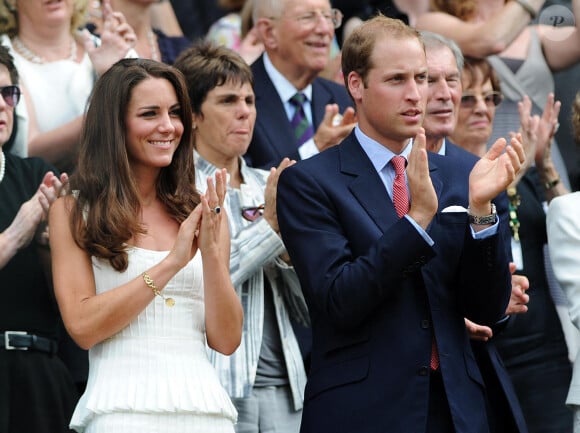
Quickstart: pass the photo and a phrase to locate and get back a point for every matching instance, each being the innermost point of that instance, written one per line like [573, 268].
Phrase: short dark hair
[7, 60]
[475, 69]
[206, 66]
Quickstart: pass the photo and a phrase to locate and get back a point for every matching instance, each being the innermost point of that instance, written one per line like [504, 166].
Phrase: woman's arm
[561, 45]
[31, 214]
[53, 146]
[56, 145]
[481, 39]
[90, 318]
[223, 309]
[19, 234]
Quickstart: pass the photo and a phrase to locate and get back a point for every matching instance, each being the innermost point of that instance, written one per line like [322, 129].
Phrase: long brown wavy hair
[106, 212]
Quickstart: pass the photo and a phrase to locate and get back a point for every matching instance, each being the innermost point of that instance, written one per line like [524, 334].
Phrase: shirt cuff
[308, 149]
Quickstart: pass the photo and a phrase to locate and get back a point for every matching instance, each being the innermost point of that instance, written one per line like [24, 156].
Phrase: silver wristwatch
[485, 219]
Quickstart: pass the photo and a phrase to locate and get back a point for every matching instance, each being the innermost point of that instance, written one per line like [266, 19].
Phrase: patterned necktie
[303, 130]
[401, 202]
[400, 195]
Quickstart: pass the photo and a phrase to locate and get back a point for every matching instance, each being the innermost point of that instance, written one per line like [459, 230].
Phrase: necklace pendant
[170, 302]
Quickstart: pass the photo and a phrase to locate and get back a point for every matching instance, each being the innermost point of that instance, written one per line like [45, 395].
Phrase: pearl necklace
[153, 46]
[31, 56]
[2, 165]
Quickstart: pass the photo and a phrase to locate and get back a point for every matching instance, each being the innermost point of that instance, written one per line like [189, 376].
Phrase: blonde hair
[9, 16]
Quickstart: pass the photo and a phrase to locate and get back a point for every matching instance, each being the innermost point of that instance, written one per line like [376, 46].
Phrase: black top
[536, 335]
[28, 302]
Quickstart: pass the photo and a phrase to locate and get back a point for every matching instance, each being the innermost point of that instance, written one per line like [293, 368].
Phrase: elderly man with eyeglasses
[299, 113]
[445, 65]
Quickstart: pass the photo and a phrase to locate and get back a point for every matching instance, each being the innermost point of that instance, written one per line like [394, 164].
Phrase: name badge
[517, 254]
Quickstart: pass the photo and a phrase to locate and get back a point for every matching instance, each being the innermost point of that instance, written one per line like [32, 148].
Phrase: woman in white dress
[141, 262]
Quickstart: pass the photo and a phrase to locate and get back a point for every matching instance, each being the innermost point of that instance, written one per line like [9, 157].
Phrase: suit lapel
[366, 185]
[271, 119]
[320, 98]
[368, 188]
[435, 178]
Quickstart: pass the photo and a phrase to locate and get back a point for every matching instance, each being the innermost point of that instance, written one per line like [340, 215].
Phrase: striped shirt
[255, 248]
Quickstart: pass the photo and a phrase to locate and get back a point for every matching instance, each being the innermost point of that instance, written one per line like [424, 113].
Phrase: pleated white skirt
[158, 423]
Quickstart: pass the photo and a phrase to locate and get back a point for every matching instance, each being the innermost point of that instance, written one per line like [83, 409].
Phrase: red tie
[401, 202]
[434, 355]
[400, 195]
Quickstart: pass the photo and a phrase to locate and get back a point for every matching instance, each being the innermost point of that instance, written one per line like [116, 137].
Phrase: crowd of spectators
[267, 88]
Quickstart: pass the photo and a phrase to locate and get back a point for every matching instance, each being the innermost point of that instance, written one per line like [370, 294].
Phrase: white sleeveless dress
[154, 375]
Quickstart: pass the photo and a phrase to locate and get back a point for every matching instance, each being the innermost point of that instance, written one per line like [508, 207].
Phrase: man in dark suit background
[445, 64]
[297, 38]
[387, 295]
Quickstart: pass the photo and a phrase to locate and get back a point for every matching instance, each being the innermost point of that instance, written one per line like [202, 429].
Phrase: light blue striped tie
[303, 130]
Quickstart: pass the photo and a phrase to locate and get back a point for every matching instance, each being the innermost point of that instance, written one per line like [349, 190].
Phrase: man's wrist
[480, 218]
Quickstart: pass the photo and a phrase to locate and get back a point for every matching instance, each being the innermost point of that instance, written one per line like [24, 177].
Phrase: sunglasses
[11, 95]
[252, 213]
[491, 99]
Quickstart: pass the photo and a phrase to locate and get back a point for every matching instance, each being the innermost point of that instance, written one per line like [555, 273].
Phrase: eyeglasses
[252, 213]
[11, 95]
[309, 20]
[491, 99]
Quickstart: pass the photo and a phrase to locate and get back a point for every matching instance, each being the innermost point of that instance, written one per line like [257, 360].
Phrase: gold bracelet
[528, 8]
[170, 302]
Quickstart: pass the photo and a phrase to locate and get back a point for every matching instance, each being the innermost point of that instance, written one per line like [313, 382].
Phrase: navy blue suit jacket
[502, 399]
[273, 138]
[377, 291]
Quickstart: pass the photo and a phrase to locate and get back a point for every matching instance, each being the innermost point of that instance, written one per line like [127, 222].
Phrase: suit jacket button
[423, 371]
[425, 324]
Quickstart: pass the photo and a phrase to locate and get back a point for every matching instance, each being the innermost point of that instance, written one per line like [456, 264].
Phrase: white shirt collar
[284, 87]
[378, 154]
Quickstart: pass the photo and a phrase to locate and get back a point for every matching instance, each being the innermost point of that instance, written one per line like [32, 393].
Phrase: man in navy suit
[445, 65]
[297, 38]
[387, 296]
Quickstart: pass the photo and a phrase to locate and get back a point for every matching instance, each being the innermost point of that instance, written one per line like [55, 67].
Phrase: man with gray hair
[444, 67]
[444, 64]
